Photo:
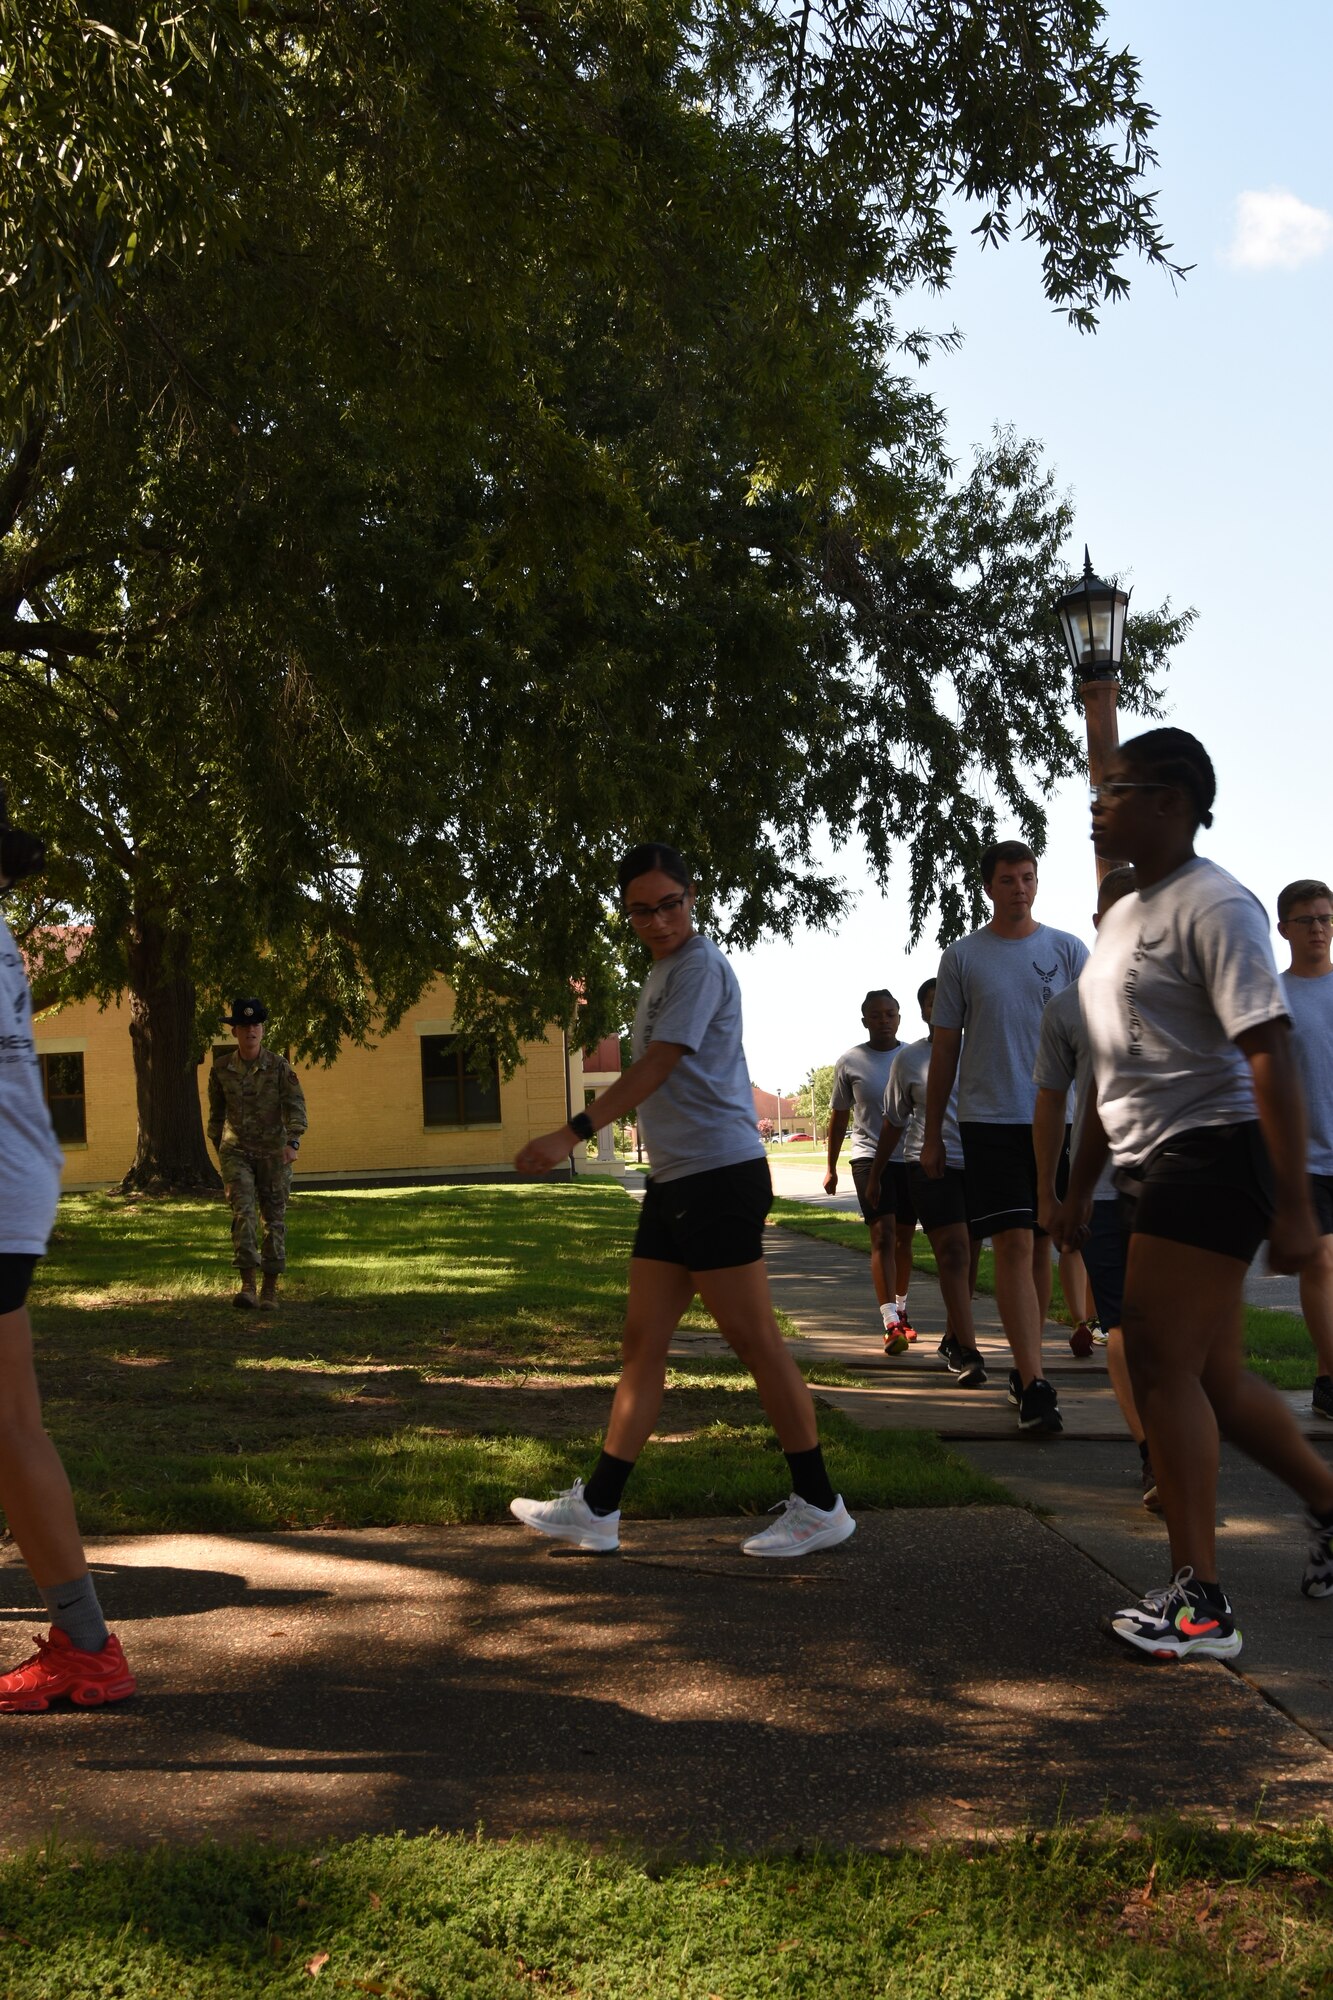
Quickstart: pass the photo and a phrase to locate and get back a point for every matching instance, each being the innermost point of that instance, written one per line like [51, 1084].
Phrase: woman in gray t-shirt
[1198, 1099]
[701, 1225]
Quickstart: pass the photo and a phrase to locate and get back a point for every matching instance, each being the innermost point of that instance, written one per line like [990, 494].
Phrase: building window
[452, 1094]
[62, 1080]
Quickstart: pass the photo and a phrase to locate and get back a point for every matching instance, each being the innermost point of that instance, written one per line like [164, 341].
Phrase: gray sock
[75, 1609]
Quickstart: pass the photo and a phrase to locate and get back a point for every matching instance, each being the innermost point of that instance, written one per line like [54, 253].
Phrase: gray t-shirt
[905, 1104]
[995, 989]
[30, 1159]
[860, 1079]
[1310, 1005]
[703, 1115]
[1063, 1057]
[1178, 971]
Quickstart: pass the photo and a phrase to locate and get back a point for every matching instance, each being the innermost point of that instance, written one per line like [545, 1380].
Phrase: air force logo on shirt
[1045, 977]
[1133, 1019]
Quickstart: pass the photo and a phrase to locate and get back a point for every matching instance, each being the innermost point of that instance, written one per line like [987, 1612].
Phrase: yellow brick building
[403, 1108]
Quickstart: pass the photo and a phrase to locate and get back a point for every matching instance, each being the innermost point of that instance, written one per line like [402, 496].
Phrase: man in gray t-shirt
[1305, 920]
[860, 1078]
[993, 988]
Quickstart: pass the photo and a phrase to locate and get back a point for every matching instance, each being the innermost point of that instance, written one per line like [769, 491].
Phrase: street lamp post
[1092, 618]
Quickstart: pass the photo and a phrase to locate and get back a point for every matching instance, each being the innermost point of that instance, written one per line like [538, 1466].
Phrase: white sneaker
[802, 1529]
[569, 1518]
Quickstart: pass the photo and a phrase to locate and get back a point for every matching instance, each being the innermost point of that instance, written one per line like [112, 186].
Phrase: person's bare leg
[1317, 1304]
[953, 1263]
[34, 1490]
[878, 1279]
[739, 1300]
[1180, 1303]
[904, 1238]
[1021, 1310]
[659, 1294]
[1074, 1285]
[973, 1266]
[1043, 1276]
[1117, 1367]
[1251, 1414]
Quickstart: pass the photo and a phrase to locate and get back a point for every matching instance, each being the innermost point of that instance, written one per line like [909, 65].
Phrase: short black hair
[648, 856]
[1307, 890]
[1174, 757]
[879, 993]
[1115, 883]
[926, 986]
[1004, 850]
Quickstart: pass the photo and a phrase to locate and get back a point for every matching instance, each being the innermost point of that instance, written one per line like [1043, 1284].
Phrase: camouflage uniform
[255, 1110]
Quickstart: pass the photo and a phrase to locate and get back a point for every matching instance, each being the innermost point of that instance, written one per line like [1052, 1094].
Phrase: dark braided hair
[1174, 757]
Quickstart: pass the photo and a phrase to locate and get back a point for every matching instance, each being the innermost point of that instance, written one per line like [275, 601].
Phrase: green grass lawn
[437, 1351]
[1277, 1345]
[1170, 1914]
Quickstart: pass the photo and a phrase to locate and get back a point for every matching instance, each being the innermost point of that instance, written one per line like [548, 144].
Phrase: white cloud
[1277, 231]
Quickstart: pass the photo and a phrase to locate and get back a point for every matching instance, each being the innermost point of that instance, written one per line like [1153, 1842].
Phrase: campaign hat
[245, 1014]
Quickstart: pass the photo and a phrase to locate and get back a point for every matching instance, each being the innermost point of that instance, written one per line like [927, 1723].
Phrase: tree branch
[19, 481]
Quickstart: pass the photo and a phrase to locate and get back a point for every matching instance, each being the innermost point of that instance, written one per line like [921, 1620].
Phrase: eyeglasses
[1119, 786]
[1324, 923]
[639, 914]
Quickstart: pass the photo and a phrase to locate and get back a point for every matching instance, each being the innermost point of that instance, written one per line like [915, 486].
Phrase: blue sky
[1194, 432]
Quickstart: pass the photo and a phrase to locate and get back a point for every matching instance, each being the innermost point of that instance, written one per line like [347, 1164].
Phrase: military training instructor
[256, 1116]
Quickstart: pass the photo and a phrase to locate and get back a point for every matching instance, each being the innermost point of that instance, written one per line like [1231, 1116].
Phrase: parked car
[787, 1137]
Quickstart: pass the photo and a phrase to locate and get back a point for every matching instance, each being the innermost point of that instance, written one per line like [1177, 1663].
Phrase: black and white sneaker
[1322, 1400]
[1039, 1408]
[1015, 1388]
[964, 1362]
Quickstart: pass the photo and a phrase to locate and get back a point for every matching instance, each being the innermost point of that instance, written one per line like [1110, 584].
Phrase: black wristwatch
[583, 1125]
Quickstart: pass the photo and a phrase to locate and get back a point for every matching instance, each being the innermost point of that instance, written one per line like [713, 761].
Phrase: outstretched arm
[639, 1082]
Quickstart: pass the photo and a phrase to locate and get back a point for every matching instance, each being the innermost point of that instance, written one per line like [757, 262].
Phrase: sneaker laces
[1168, 1594]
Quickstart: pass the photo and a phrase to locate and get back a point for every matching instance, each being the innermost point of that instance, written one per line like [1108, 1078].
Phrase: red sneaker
[58, 1669]
[906, 1325]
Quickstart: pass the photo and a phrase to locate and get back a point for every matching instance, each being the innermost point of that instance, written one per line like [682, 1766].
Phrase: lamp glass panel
[1118, 633]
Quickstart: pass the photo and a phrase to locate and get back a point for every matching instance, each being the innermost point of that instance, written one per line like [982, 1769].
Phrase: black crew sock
[1212, 1593]
[1143, 1450]
[809, 1479]
[604, 1489]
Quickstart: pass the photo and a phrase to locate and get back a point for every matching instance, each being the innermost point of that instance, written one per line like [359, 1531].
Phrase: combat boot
[268, 1296]
[246, 1297]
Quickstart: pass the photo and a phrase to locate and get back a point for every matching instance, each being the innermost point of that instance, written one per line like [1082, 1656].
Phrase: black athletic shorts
[1321, 1194]
[1210, 1187]
[895, 1192]
[938, 1203]
[16, 1269]
[1104, 1261]
[707, 1222]
[1001, 1169]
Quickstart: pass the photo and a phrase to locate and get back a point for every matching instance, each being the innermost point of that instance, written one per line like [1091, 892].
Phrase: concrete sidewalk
[939, 1674]
[1085, 1482]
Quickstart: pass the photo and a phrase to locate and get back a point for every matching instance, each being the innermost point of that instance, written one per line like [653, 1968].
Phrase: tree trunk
[172, 1157]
